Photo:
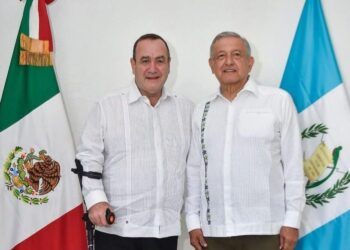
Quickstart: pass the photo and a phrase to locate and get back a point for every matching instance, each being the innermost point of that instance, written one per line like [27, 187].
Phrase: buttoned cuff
[292, 219]
[94, 197]
[193, 222]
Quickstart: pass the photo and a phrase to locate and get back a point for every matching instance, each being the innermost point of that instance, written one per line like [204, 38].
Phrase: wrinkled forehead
[153, 48]
[228, 42]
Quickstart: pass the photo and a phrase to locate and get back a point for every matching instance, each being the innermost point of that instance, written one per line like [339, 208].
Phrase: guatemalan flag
[40, 198]
[313, 79]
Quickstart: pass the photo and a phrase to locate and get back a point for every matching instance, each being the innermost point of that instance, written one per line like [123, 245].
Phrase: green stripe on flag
[26, 87]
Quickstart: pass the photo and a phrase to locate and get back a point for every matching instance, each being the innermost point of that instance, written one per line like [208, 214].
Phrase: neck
[154, 99]
[230, 91]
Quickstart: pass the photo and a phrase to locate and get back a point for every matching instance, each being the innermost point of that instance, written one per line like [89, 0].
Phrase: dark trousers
[104, 241]
[249, 242]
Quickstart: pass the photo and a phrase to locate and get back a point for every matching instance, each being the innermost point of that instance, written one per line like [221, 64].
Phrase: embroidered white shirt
[141, 151]
[255, 181]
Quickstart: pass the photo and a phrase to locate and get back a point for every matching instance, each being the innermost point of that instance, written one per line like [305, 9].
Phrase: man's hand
[288, 238]
[97, 213]
[197, 239]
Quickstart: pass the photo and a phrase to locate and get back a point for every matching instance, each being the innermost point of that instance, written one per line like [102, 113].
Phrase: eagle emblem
[30, 176]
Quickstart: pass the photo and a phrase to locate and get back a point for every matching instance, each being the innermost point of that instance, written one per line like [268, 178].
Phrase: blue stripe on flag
[311, 69]
[330, 234]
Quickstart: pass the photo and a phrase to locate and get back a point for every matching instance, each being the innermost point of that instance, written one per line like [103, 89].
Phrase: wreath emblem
[315, 167]
[30, 176]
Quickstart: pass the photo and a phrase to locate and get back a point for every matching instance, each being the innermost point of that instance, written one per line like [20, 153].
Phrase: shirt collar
[250, 86]
[135, 95]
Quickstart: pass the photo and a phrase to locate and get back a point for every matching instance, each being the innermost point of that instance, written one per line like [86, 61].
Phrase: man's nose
[229, 60]
[152, 66]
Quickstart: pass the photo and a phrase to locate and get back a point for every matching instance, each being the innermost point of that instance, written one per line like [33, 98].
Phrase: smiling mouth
[152, 77]
[230, 70]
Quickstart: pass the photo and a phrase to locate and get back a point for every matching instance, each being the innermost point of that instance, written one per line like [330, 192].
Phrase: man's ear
[133, 65]
[251, 63]
[211, 64]
[169, 61]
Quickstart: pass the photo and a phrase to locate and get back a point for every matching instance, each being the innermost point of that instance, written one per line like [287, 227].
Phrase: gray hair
[230, 34]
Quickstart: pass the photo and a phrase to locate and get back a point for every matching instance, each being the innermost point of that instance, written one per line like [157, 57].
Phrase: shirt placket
[227, 161]
[127, 136]
[159, 167]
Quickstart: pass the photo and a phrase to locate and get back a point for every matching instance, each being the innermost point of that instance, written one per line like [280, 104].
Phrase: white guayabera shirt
[141, 151]
[245, 170]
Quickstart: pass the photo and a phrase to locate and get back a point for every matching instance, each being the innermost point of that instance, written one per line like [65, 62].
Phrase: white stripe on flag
[328, 110]
[34, 20]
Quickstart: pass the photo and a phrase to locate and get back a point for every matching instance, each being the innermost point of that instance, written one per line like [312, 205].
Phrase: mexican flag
[313, 79]
[40, 198]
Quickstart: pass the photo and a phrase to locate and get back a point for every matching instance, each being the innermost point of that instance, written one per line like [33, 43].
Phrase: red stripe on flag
[44, 25]
[65, 233]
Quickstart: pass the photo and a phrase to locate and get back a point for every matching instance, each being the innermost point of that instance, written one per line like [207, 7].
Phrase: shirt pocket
[256, 123]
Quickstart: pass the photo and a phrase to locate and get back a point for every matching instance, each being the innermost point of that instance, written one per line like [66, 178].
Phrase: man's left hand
[288, 238]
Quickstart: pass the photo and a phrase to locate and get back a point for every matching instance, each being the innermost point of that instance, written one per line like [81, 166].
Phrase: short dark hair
[149, 36]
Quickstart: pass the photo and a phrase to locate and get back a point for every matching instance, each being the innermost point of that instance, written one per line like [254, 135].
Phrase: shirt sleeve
[291, 151]
[90, 153]
[193, 181]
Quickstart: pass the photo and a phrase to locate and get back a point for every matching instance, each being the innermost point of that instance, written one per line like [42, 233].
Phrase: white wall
[94, 38]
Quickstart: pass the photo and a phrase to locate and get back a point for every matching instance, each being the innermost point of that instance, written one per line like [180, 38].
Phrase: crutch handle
[110, 216]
